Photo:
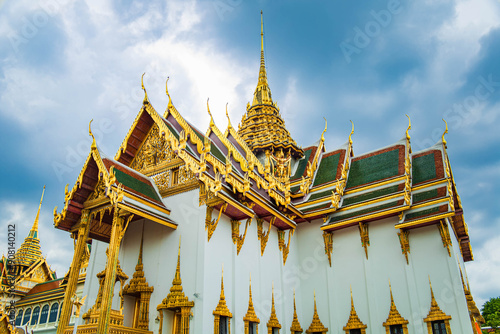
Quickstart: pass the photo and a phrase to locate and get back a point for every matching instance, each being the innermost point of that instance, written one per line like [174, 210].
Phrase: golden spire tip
[445, 132]
[94, 145]
[323, 133]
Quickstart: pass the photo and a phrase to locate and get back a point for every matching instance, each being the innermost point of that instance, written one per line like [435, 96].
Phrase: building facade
[244, 231]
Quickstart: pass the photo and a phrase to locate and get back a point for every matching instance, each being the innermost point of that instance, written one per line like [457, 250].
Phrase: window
[44, 315]
[355, 331]
[34, 317]
[252, 328]
[396, 329]
[27, 316]
[223, 325]
[53, 312]
[276, 330]
[19, 318]
[438, 327]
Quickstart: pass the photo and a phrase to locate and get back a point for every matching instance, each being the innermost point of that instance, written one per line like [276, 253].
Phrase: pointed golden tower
[273, 319]
[250, 319]
[262, 127]
[30, 250]
[316, 324]
[295, 327]
[353, 322]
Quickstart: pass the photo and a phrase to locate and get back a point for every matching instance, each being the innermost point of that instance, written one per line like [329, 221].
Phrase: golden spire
[250, 316]
[316, 324]
[295, 327]
[262, 94]
[353, 322]
[435, 312]
[394, 317]
[222, 309]
[352, 131]
[34, 228]
[176, 297]
[30, 250]
[273, 319]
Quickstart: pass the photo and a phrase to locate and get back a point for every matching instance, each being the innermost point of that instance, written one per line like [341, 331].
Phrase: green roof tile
[374, 168]
[362, 212]
[423, 168]
[369, 195]
[424, 196]
[302, 165]
[426, 212]
[137, 185]
[327, 170]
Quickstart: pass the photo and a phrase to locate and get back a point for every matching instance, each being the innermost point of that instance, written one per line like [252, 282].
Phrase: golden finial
[35, 223]
[211, 118]
[323, 133]
[352, 131]
[445, 132]
[178, 269]
[432, 292]
[408, 129]
[222, 297]
[228, 119]
[166, 90]
[261, 33]
[94, 145]
[144, 89]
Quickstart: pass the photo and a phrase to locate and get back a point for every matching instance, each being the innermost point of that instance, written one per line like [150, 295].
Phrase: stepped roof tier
[262, 127]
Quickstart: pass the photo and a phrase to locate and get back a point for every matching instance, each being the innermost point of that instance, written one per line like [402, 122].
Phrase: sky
[63, 63]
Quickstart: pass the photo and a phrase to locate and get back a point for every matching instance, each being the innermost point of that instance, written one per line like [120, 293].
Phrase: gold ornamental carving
[284, 248]
[211, 225]
[436, 314]
[316, 324]
[445, 235]
[239, 239]
[405, 243]
[154, 150]
[353, 322]
[394, 317]
[328, 240]
[263, 236]
[365, 238]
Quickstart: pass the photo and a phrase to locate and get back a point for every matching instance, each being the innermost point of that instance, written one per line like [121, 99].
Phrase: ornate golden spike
[211, 118]
[35, 223]
[169, 98]
[262, 71]
[94, 145]
[178, 269]
[352, 131]
[139, 260]
[445, 132]
[228, 119]
[323, 133]
[433, 301]
[144, 89]
[222, 297]
[408, 129]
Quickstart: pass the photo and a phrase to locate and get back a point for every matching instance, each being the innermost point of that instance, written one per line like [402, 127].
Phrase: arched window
[19, 318]
[27, 316]
[45, 314]
[34, 317]
[53, 312]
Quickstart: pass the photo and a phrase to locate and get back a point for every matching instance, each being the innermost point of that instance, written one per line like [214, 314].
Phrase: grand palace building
[242, 230]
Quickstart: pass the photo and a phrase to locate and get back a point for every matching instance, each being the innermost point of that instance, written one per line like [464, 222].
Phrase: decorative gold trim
[263, 236]
[239, 239]
[273, 319]
[316, 324]
[236, 204]
[285, 249]
[445, 235]
[211, 225]
[354, 219]
[394, 318]
[353, 322]
[436, 314]
[328, 240]
[424, 220]
[365, 237]
[405, 243]
[295, 327]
